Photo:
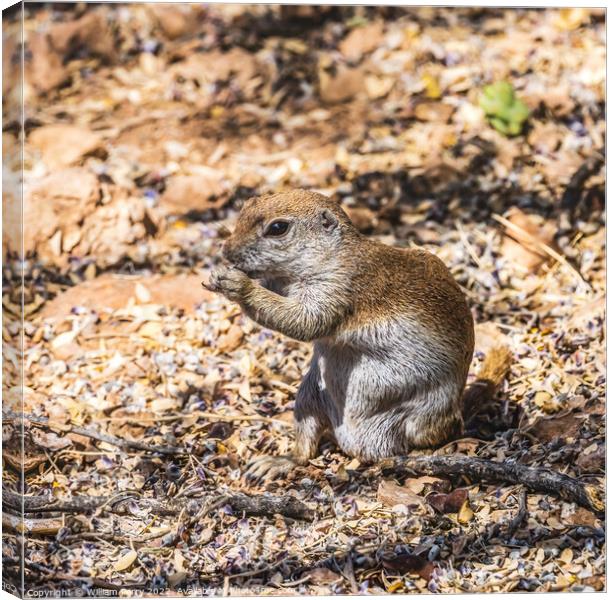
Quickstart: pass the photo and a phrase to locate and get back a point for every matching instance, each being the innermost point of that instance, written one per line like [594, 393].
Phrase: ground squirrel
[393, 334]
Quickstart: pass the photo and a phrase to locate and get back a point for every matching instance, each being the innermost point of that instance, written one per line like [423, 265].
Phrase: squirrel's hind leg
[265, 468]
[310, 420]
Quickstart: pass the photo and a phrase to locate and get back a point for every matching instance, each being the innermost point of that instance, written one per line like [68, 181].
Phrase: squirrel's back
[398, 283]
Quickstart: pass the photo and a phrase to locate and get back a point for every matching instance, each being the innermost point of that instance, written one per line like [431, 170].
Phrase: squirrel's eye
[276, 229]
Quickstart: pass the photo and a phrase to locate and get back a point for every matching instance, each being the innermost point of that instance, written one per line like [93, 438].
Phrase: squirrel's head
[288, 235]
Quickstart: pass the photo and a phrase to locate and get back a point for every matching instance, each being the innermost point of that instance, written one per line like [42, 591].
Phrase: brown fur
[492, 374]
[363, 303]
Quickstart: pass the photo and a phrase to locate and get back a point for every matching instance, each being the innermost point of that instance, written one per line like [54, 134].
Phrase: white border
[495, 3]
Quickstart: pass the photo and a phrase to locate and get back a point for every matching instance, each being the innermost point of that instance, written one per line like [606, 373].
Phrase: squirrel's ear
[328, 219]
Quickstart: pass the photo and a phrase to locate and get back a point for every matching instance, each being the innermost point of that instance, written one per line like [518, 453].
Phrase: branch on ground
[261, 505]
[538, 480]
[96, 435]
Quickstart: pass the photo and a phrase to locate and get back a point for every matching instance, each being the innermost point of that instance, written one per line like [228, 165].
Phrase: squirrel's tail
[492, 373]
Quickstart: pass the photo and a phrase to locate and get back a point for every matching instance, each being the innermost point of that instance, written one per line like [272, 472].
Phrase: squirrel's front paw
[228, 281]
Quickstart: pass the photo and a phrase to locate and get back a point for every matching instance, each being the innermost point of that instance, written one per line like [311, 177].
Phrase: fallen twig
[98, 436]
[466, 242]
[287, 506]
[521, 513]
[262, 505]
[111, 537]
[31, 526]
[544, 248]
[79, 504]
[51, 526]
[199, 414]
[52, 574]
[478, 469]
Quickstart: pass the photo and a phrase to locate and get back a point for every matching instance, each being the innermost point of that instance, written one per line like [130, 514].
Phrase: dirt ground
[146, 127]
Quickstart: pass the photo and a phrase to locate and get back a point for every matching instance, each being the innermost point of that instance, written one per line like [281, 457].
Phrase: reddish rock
[63, 145]
[186, 193]
[111, 292]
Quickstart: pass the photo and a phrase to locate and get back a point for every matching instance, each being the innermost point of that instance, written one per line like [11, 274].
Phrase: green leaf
[499, 125]
[514, 128]
[356, 21]
[505, 111]
[518, 112]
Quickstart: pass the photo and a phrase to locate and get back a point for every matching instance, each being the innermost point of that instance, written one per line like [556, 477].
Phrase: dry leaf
[339, 83]
[142, 293]
[49, 440]
[587, 312]
[245, 390]
[378, 87]
[63, 338]
[518, 249]
[439, 112]
[488, 336]
[582, 516]
[125, 561]
[361, 40]
[353, 465]
[567, 556]
[91, 32]
[322, 576]
[209, 67]
[568, 19]
[432, 86]
[547, 429]
[409, 563]
[546, 137]
[418, 484]
[151, 329]
[448, 503]
[231, 340]
[546, 401]
[391, 494]
[179, 560]
[162, 404]
[363, 218]
[45, 69]
[176, 21]
[593, 462]
[465, 513]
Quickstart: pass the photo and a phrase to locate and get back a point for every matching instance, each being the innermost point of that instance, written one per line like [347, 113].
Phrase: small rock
[63, 145]
[197, 193]
[112, 292]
